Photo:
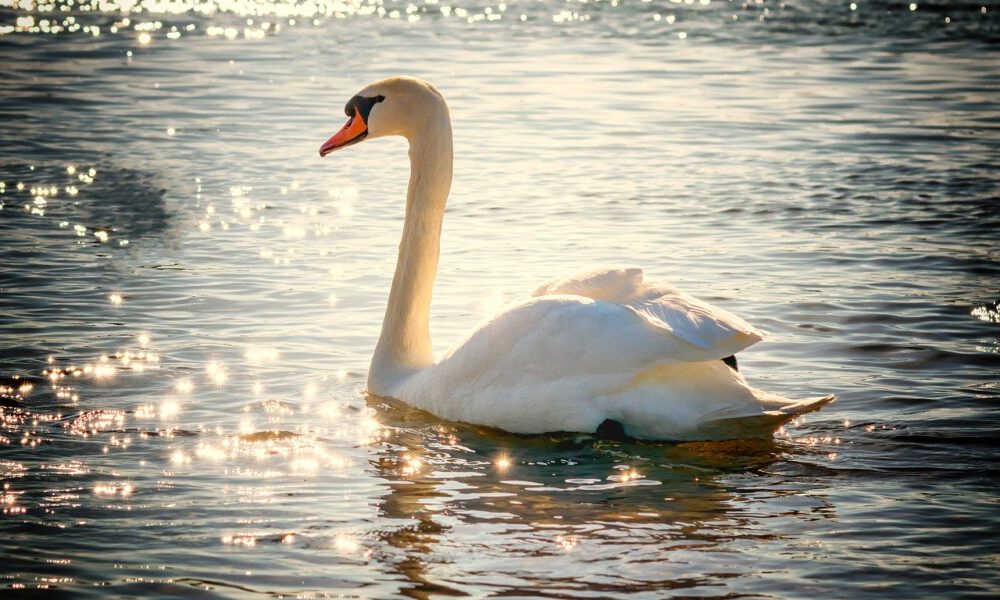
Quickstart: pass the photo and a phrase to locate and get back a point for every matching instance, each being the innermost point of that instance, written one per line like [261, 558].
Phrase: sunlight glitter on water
[257, 279]
[249, 20]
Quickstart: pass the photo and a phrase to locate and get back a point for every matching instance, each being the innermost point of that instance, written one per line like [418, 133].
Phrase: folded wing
[713, 333]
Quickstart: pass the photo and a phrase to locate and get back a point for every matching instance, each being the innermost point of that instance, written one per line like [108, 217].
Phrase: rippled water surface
[189, 296]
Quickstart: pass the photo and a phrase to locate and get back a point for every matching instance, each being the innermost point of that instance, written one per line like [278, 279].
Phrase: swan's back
[718, 332]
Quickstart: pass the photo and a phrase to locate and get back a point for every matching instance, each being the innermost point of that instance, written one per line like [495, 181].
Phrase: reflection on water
[189, 297]
[567, 503]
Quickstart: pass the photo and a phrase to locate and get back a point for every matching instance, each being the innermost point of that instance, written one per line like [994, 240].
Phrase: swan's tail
[780, 411]
[806, 406]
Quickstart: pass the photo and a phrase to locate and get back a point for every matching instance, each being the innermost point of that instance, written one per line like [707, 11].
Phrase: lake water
[189, 296]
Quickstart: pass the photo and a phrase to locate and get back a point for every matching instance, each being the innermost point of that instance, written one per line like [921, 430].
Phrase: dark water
[189, 297]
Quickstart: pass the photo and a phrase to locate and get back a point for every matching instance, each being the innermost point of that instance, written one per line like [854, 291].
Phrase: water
[189, 296]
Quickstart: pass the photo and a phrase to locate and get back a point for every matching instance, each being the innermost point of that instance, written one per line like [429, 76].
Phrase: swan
[602, 351]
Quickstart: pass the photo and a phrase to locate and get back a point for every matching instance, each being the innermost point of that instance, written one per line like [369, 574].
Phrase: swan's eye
[361, 106]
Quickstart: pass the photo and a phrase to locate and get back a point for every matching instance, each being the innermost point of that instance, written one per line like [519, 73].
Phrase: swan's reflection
[589, 506]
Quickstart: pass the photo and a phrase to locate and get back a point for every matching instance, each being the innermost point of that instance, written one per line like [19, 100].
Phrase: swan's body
[582, 350]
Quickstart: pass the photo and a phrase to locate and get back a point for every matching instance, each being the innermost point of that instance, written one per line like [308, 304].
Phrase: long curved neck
[405, 343]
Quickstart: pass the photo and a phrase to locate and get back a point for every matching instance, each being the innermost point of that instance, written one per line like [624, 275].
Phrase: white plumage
[603, 345]
[581, 350]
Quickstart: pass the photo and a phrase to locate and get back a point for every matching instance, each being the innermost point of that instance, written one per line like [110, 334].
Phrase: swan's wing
[716, 331]
[613, 285]
[566, 336]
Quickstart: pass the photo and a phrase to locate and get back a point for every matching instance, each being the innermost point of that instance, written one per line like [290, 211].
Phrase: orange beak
[352, 132]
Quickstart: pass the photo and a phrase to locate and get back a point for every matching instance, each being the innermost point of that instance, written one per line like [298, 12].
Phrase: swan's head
[404, 106]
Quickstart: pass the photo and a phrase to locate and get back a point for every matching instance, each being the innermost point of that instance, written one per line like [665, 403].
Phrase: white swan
[599, 349]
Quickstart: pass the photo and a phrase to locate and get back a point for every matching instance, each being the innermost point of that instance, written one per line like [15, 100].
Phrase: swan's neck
[405, 344]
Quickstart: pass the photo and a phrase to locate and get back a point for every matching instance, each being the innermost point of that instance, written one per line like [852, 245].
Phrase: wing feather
[714, 332]
[611, 284]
